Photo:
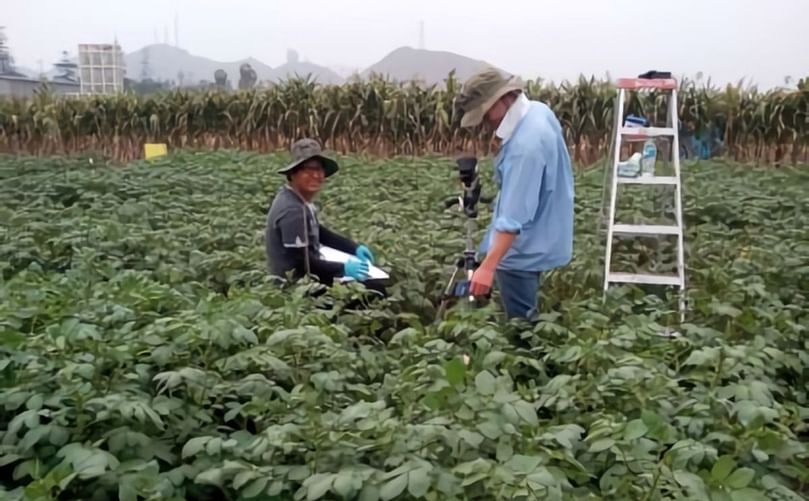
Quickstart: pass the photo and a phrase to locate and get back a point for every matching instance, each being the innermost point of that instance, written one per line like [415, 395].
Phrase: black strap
[306, 264]
[654, 75]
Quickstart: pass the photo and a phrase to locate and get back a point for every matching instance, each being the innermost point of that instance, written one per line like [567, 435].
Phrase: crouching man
[293, 234]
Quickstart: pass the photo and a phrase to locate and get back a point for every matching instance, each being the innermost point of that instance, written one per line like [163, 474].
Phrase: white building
[101, 68]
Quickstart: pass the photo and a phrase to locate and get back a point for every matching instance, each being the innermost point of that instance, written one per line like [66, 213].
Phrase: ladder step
[647, 83]
[643, 278]
[645, 229]
[644, 132]
[669, 180]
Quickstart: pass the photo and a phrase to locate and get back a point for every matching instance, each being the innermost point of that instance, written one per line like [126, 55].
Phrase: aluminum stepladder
[634, 134]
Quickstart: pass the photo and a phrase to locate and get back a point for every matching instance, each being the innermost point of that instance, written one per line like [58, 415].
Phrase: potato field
[145, 354]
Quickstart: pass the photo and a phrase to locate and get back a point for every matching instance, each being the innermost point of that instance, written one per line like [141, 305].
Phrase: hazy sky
[725, 39]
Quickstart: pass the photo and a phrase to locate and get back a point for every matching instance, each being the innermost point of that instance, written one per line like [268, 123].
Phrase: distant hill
[429, 66]
[294, 67]
[166, 61]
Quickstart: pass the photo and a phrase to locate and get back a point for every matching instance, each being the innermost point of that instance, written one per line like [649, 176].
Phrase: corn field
[385, 118]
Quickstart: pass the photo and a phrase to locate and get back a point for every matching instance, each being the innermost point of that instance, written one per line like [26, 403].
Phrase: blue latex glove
[356, 269]
[364, 253]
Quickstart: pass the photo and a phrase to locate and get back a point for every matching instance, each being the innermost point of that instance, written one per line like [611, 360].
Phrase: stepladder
[655, 172]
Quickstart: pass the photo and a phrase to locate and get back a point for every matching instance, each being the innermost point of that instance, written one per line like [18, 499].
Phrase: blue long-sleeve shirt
[536, 190]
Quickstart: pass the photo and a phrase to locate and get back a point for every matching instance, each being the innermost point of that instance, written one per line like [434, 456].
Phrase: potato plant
[147, 355]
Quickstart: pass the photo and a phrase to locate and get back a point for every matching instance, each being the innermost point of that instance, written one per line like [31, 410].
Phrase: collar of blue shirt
[513, 116]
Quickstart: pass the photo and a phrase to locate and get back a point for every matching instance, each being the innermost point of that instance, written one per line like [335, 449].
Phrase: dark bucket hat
[305, 149]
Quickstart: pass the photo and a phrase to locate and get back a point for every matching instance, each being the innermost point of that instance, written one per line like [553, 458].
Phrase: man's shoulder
[540, 114]
[284, 201]
[285, 197]
[539, 121]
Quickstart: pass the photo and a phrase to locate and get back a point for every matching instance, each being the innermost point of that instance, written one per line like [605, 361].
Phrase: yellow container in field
[153, 150]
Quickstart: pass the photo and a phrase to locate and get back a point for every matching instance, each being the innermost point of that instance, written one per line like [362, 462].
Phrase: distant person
[532, 226]
[293, 235]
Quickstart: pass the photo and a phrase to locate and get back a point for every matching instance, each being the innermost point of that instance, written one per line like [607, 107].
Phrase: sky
[762, 41]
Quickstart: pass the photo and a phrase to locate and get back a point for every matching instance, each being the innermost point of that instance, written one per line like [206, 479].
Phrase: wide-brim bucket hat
[482, 90]
[306, 149]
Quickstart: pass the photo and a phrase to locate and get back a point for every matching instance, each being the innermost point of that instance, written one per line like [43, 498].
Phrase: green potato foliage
[145, 353]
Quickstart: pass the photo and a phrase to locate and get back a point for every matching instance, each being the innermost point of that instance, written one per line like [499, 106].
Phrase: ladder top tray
[647, 83]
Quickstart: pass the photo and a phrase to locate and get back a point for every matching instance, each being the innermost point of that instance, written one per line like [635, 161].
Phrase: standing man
[532, 226]
[293, 235]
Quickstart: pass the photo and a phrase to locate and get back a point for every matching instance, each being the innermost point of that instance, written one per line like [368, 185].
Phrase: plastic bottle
[647, 163]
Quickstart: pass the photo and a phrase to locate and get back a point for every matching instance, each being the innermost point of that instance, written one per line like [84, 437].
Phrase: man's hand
[356, 269]
[482, 280]
[363, 252]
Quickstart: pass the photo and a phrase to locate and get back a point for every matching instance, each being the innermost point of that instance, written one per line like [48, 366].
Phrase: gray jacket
[293, 237]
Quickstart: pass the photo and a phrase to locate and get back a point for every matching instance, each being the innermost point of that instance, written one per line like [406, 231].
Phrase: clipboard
[334, 255]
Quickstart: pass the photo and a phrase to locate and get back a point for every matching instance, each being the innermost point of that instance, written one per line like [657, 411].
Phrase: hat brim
[330, 167]
[473, 117]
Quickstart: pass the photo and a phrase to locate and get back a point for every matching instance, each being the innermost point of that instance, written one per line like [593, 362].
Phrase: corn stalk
[389, 118]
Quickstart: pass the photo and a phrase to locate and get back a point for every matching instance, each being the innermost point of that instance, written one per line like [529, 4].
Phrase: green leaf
[740, 478]
[35, 402]
[601, 445]
[523, 464]
[722, 468]
[748, 494]
[472, 438]
[343, 484]
[243, 477]
[194, 446]
[490, 429]
[9, 458]
[33, 436]
[255, 487]
[59, 435]
[31, 467]
[704, 356]
[63, 483]
[485, 383]
[504, 451]
[752, 415]
[542, 477]
[394, 487]
[318, 485]
[418, 482]
[472, 479]
[718, 494]
[456, 371]
[692, 483]
[493, 358]
[369, 493]
[527, 412]
[298, 473]
[725, 309]
[276, 487]
[635, 429]
[126, 491]
[212, 476]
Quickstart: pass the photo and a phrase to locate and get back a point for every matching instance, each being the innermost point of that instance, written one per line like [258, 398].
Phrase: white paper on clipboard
[331, 254]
